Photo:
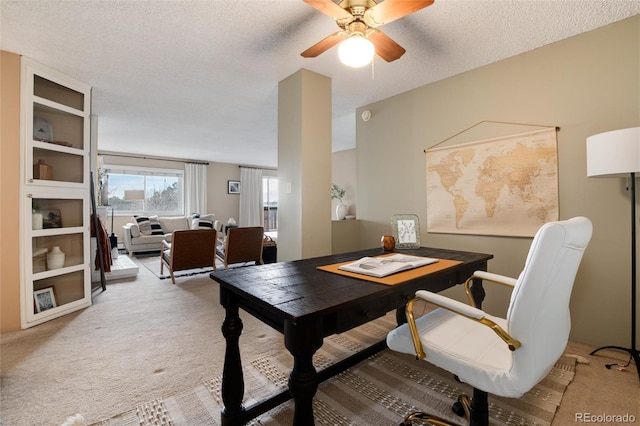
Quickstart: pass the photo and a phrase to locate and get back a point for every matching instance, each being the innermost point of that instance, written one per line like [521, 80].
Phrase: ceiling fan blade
[390, 10]
[329, 8]
[386, 48]
[323, 45]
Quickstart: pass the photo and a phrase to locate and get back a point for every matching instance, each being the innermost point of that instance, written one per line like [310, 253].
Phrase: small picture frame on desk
[45, 299]
[406, 231]
[233, 186]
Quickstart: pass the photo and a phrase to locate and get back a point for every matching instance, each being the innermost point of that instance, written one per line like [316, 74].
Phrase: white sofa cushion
[135, 230]
[202, 221]
[155, 240]
[177, 223]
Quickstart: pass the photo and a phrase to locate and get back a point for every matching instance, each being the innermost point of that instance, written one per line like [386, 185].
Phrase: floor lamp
[617, 154]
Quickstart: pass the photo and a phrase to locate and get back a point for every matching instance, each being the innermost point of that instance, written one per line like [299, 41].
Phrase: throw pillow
[149, 225]
[202, 221]
[135, 230]
[156, 228]
[144, 224]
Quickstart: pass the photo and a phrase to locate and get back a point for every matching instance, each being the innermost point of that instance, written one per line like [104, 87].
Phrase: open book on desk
[382, 266]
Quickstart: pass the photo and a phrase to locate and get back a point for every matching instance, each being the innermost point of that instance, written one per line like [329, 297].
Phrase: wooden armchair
[242, 245]
[189, 249]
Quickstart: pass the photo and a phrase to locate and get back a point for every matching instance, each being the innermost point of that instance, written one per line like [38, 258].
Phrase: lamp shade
[614, 153]
[356, 51]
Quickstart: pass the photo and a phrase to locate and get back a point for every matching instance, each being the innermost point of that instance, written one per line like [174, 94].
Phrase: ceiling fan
[359, 21]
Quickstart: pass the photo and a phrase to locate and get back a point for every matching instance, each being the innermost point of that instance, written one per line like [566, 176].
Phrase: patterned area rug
[378, 391]
[153, 265]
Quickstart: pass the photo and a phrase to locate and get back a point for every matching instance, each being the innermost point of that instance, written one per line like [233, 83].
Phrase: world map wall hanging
[504, 186]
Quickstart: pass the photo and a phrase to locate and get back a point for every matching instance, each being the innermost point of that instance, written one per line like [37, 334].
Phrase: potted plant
[339, 193]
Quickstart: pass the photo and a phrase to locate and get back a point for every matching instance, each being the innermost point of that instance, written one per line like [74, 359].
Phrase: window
[270, 203]
[144, 190]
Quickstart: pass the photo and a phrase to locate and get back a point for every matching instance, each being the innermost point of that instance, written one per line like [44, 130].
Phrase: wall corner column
[304, 166]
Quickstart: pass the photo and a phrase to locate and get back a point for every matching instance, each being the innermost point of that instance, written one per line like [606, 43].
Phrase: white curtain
[195, 188]
[250, 197]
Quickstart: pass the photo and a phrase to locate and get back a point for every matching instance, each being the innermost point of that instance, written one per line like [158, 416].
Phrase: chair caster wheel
[458, 409]
[462, 407]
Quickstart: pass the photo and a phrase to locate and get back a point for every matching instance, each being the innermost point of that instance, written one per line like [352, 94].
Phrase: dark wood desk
[307, 304]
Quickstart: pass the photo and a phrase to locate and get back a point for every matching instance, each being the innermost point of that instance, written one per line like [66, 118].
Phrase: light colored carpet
[379, 391]
[139, 340]
[153, 265]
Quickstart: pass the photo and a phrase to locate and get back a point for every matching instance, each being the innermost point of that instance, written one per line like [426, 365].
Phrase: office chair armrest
[458, 308]
[451, 304]
[496, 278]
[486, 276]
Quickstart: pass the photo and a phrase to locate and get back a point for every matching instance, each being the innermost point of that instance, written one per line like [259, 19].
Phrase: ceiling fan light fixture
[356, 51]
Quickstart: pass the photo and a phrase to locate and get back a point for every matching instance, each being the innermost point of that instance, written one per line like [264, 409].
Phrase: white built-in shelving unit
[55, 211]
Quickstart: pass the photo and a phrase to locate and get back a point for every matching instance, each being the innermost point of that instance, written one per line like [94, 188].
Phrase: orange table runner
[396, 278]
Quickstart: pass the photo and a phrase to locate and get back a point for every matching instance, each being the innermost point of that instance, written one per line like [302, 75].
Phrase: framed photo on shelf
[233, 187]
[45, 299]
[42, 130]
[406, 230]
[51, 218]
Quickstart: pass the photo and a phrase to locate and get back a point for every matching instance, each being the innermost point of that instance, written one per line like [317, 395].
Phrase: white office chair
[504, 357]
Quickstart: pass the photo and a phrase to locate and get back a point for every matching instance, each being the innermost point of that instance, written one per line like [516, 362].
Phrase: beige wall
[10, 244]
[585, 85]
[345, 236]
[223, 205]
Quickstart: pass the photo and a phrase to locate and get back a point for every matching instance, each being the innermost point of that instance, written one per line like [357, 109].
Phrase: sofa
[146, 233]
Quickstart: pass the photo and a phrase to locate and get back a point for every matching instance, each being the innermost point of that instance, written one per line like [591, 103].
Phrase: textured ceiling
[199, 79]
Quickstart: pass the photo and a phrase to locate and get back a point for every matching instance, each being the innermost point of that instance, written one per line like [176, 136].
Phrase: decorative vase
[55, 258]
[36, 221]
[341, 211]
[103, 196]
[388, 243]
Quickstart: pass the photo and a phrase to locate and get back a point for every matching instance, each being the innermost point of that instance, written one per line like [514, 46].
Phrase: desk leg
[401, 316]
[302, 341]
[232, 379]
[478, 293]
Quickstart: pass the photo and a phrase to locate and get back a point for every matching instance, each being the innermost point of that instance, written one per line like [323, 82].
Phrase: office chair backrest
[538, 313]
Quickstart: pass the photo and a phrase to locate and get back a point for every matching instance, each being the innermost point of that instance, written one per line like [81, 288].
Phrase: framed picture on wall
[233, 187]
